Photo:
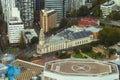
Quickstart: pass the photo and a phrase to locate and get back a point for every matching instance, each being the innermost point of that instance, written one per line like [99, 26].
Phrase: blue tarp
[12, 71]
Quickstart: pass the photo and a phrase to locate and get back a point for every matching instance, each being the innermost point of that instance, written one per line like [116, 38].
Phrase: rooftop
[89, 19]
[29, 33]
[70, 34]
[108, 3]
[81, 67]
[48, 11]
[28, 70]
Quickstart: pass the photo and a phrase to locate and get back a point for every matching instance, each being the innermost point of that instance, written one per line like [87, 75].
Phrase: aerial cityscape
[59, 39]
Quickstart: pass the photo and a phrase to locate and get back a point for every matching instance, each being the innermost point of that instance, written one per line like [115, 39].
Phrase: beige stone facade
[48, 19]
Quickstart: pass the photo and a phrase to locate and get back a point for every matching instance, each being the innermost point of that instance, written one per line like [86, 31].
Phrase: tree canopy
[72, 22]
[63, 23]
[114, 15]
[82, 11]
[109, 36]
[86, 48]
[34, 40]
[22, 43]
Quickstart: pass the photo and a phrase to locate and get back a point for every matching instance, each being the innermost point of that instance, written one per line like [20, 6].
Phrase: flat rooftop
[80, 67]
[28, 69]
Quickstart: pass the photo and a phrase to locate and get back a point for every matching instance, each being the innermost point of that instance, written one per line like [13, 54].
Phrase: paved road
[110, 22]
[28, 51]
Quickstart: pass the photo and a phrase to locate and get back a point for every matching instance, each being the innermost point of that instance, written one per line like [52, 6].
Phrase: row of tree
[64, 23]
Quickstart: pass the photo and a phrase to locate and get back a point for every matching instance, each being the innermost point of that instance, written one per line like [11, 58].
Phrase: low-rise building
[88, 22]
[68, 38]
[80, 69]
[29, 34]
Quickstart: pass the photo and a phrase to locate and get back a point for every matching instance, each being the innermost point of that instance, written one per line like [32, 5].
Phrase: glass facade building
[60, 7]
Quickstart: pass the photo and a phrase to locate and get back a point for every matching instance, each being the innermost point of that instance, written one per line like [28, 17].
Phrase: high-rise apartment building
[13, 19]
[59, 6]
[48, 19]
[27, 12]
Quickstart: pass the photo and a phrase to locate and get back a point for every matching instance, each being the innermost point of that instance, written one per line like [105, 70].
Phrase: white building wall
[72, 77]
[14, 32]
[64, 44]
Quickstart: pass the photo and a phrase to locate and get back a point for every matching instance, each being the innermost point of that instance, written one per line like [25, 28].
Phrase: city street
[110, 22]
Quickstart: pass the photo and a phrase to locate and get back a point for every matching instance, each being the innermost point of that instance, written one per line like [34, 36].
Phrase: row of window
[81, 42]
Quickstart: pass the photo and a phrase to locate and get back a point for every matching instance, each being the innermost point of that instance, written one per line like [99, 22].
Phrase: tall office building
[48, 19]
[59, 6]
[38, 4]
[13, 19]
[27, 12]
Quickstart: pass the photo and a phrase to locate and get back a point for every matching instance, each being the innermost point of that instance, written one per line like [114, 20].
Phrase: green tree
[63, 23]
[109, 36]
[22, 43]
[77, 51]
[114, 15]
[4, 43]
[86, 48]
[94, 43]
[97, 12]
[2, 27]
[72, 22]
[1, 11]
[83, 11]
[36, 16]
[73, 13]
[34, 40]
[111, 51]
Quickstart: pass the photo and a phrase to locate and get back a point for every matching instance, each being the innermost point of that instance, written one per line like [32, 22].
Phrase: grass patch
[14, 49]
[91, 54]
[78, 56]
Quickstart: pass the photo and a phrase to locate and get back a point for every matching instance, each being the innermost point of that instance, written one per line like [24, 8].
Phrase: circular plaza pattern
[80, 68]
